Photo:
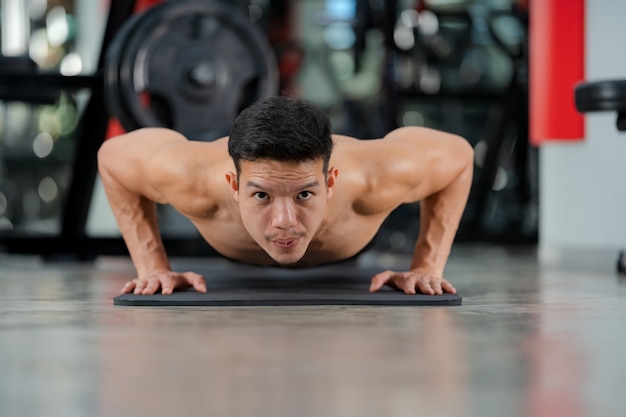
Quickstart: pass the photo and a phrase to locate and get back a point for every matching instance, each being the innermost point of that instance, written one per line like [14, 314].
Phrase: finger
[128, 287]
[447, 287]
[436, 286]
[408, 285]
[167, 286]
[197, 281]
[424, 287]
[379, 280]
[139, 287]
[152, 287]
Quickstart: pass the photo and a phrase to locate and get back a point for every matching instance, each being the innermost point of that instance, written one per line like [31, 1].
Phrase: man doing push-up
[282, 190]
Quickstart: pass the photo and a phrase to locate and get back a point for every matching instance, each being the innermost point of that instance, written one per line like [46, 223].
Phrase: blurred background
[460, 66]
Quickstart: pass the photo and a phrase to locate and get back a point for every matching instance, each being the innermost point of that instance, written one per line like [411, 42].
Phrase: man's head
[281, 129]
[281, 149]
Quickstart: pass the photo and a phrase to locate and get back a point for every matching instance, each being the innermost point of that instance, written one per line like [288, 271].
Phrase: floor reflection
[528, 341]
[290, 361]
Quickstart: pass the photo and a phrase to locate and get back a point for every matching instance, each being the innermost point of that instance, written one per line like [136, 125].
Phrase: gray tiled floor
[529, 340]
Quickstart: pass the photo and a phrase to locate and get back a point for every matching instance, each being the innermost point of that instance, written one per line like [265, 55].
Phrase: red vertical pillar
[557, 63]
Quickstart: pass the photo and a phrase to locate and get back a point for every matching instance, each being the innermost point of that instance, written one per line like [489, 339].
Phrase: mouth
[286, 243]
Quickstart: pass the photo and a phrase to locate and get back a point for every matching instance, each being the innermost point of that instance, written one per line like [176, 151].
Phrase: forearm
[137, 220]
[440, 215]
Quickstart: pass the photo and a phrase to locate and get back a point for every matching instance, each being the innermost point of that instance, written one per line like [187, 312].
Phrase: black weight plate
[116, 105]
[155, 56]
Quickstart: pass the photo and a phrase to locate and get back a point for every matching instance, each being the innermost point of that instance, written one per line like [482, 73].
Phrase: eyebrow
[314, 183]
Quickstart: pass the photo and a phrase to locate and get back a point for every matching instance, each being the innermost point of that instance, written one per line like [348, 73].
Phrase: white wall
[583, 184]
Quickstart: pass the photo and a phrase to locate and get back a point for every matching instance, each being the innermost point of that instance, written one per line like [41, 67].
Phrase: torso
[349, 225]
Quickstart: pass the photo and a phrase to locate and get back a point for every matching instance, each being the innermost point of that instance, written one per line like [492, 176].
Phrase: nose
[284, 214]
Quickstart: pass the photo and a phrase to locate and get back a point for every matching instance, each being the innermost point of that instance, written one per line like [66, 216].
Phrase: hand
[409, 282]
[166, 281]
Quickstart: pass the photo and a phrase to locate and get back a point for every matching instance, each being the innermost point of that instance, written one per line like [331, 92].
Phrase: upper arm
[135, 161]
[422, 161]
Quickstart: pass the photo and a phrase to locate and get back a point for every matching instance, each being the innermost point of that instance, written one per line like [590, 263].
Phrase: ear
[331, 180]
[231, 179]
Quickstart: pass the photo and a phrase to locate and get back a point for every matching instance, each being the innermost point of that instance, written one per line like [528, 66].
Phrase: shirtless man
[273, 194]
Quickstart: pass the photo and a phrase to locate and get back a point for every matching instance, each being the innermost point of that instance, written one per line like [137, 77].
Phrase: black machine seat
[608, 95]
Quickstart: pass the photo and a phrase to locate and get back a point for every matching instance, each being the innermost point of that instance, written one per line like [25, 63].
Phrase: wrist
[430, 261]
[149, 256]
[152, 266]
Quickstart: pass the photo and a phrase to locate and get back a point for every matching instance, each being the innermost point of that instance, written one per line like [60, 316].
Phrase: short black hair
[282, 129]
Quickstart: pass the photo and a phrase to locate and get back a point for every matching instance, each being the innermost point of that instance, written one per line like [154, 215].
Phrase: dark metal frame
[72, 241]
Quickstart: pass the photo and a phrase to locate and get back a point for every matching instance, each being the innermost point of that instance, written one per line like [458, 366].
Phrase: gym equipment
[72, 239]
[45, 87]
[235, 285]
[27, 93]
[509, 128]
[608, 95]
[621, 263]
[190, 65]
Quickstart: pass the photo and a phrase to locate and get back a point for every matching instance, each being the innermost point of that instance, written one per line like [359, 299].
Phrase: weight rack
[72, 241]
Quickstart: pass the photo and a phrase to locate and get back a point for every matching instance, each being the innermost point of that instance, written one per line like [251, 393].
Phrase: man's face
[282, 204]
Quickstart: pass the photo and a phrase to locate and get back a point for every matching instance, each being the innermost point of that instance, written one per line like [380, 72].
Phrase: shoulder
[150, 145]
[424, 139]
[161, 163]
[404, 143]
[141, 141]
[406, 165]
[428, 160]
[190, 173]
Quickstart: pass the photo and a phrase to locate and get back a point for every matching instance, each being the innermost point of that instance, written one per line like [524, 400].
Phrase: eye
[305, 195]
[261, 195]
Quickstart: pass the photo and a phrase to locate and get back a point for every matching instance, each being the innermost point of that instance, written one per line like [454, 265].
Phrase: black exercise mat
[235, 285]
